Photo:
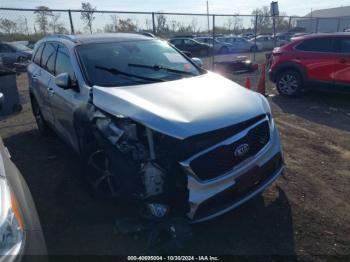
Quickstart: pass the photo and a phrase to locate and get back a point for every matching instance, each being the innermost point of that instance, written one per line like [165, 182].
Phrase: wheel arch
[293, 66]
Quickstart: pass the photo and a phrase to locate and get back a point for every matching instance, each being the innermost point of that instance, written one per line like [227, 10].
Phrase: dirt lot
[306, 212]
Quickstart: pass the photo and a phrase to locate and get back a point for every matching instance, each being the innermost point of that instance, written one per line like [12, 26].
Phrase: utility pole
[208, 16]
[26, 22]
[274, 12]
[311, 29]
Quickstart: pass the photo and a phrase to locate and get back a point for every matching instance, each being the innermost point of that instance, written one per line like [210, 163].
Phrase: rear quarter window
[48, 57]
[324, 45]
[37, 56]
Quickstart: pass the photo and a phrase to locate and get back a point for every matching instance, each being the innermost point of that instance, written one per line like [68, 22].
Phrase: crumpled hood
[184, 107]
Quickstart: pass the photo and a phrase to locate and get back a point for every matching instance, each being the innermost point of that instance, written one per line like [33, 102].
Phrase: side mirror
[2, 100]
[63, 81]
[197, 61]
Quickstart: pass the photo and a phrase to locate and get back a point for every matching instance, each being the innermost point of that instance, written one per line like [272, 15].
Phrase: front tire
[289, 83]
[100, 177]
[43, 127]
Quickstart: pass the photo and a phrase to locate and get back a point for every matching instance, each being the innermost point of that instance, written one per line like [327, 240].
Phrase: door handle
[342, 60]
[50, 90]
[34, 78]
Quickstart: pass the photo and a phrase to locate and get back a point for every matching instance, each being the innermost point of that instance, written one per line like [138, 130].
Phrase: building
[326, 20]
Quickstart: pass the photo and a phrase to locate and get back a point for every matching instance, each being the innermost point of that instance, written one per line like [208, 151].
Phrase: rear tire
[43, 127]
[289, 83]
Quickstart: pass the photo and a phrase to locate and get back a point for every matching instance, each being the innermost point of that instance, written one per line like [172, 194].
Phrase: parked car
[14, 52]
[151, 125]
[240, 44]
[219, 47]
[20, 229]
[190, 45]
[247, 35]
[29, 44]
[320, 61]
[267, 42]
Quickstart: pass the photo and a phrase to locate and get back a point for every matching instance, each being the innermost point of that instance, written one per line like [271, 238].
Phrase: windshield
[133, 62]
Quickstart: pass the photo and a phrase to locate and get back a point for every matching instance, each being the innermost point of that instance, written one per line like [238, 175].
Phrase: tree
[120, 25]
[8, 26]
[54, 23]
[234, 23]
[194, 25]
[282, 22]
[264, 23]
[161, 25]
[87, 15]
[42, 14]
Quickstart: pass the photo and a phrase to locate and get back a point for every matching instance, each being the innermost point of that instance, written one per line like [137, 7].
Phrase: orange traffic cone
[247, 83]
[261, 84]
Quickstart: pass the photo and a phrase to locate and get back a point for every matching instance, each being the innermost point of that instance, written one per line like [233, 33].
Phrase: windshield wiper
[115, 71]
[160, 67]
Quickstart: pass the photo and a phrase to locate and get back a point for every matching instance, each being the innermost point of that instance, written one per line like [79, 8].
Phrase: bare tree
[42, 13]
[173, 25]
[264, 19]
[234, 23]
[194, 25]
[161, 25]
[8, 26]
[54, 22]
[120, 25]
[87, 15]
[149, 24]
[282, 22]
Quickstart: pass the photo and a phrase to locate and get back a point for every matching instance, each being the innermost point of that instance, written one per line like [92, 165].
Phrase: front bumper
[211, 198]
[272, 76]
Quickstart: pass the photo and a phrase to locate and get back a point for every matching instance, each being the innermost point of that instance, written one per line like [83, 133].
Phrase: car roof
[100, 38]
[321, 35]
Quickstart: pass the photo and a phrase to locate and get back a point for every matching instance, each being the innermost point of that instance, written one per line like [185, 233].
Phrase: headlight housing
[11, 224]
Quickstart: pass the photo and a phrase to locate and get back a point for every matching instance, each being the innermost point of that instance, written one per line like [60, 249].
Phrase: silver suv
[152, 126]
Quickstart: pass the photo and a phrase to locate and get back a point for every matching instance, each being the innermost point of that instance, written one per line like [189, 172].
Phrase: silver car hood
[185, 107]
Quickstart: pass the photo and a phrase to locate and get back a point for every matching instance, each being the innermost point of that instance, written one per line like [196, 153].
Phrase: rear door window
[37, 55]
[48, 57]
[324, 45]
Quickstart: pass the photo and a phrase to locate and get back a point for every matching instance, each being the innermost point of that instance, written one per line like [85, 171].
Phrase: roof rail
[67, 37]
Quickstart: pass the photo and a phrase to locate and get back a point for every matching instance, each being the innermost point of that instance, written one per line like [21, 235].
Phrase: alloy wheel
[288, 84]
[100, 176]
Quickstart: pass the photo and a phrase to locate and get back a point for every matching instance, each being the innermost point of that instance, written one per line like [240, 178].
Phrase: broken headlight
[11, 226]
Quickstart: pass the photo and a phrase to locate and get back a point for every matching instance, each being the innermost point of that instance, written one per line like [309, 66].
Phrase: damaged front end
[136, 165]
[132, 162]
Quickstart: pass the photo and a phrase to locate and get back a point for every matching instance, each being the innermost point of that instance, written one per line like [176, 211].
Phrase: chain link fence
[257, 34]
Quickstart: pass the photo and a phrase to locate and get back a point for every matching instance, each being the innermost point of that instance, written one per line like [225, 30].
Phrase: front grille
[222, 159]
[245, 185]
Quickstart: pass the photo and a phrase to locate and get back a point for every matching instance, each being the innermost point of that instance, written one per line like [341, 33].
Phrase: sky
[291, 7]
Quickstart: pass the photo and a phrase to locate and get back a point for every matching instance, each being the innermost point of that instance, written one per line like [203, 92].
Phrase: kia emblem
[241, 150]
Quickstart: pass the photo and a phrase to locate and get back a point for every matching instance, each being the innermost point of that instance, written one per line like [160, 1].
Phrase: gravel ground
[306, 212]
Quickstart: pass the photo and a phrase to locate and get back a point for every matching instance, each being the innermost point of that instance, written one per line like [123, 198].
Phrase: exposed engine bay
[132, 163]
[144, 163]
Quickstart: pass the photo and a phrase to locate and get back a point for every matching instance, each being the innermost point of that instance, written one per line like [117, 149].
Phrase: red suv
[318, 61]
